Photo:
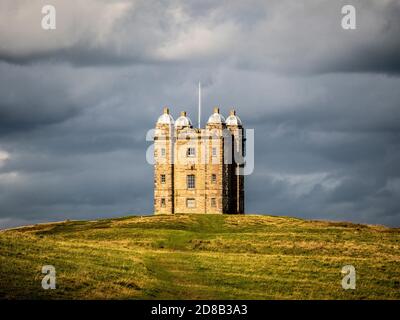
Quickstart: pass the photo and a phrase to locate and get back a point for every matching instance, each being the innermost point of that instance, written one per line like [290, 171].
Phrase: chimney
[216, 110]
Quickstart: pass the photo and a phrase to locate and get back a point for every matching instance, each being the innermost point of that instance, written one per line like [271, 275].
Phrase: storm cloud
[76, 103]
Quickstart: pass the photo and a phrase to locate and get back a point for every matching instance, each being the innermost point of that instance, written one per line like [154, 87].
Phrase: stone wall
[224, 194]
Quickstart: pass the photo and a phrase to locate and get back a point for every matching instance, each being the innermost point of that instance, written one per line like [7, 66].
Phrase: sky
[76, 103]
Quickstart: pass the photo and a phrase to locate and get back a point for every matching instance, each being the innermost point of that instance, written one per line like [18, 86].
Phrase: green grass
[200, 257]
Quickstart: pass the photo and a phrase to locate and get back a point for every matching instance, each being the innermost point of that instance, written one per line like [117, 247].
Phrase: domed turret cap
[233, 119]
[165, 118]
[183, 120]
[216, 117]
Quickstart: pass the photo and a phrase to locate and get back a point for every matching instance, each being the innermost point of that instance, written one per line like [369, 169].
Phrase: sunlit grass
[200, 257]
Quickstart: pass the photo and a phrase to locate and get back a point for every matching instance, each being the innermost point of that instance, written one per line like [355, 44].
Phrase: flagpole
[199, 122]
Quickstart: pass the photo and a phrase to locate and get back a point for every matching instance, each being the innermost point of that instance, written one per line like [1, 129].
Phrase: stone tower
[234, 125]
[164, 168]
[199, 170]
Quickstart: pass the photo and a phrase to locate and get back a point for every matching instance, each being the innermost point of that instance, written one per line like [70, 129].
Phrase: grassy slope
[200, 257]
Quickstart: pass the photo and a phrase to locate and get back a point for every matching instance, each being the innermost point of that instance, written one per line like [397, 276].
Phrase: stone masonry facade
[198, 170]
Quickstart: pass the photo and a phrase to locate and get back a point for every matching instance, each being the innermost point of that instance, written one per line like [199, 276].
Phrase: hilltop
[200, 257]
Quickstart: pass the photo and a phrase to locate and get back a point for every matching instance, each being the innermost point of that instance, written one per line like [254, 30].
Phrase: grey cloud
[285, 36]
[73, 117]
[84, 186]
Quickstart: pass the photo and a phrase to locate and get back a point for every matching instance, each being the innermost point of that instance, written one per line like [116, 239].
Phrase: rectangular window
[191, 181]
[163, 178]
[190, 203]
[213, 178]
[214, 152]
[163, 202]
[213, 202]
[162, 152]
[191, 152]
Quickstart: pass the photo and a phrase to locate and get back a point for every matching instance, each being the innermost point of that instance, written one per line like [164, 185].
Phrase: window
[190, 181]
[213, 202]
[213, 178]
[163, 178]
[190, 203]
[163, 202]
[162, 152]
[191, 152]
[214, 152]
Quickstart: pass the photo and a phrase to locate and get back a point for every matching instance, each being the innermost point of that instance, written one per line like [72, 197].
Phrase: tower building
[199, 170]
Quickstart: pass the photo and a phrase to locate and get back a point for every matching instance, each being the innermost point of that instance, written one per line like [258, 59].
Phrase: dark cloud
[379, 51]
[324, 104]
[76, 56]
[284, 36]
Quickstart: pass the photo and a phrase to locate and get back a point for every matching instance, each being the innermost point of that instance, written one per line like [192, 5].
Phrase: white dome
[183, 121]
[165, 119]
[233, 120]
[216, 118]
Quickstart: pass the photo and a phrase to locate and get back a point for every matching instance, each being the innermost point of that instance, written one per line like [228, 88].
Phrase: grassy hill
[200, 257]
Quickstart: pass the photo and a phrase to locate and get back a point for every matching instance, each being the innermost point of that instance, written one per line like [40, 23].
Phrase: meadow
[200, 257]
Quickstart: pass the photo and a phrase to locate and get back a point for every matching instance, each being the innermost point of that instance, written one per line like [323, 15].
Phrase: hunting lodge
[198, 170]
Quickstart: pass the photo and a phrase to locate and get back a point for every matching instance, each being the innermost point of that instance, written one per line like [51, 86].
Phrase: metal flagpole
[199, 105]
